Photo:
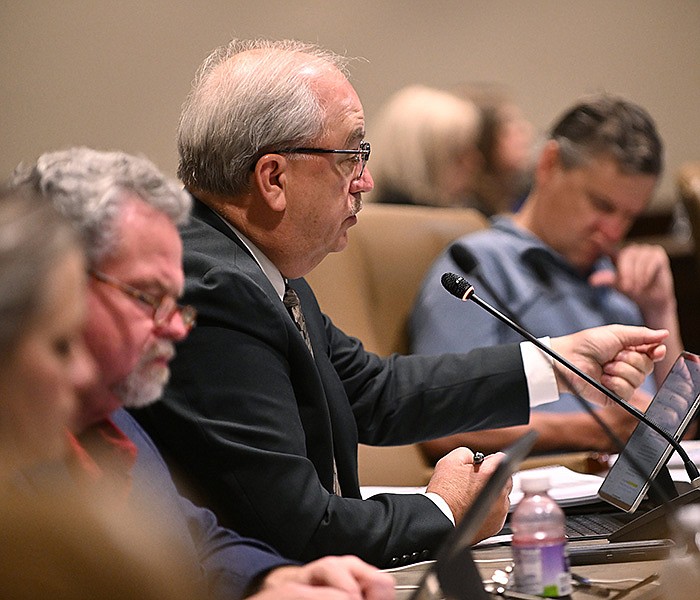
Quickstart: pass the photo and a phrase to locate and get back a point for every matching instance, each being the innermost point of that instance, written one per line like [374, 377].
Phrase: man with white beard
[127, 213]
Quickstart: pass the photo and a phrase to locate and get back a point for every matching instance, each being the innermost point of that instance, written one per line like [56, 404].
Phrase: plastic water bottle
[539, 542]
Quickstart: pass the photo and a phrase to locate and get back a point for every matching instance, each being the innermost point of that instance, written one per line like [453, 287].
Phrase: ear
[270, 177]
[548, 161]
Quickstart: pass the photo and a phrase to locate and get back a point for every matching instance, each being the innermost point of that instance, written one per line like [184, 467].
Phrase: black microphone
[462, 289]
[466, 261]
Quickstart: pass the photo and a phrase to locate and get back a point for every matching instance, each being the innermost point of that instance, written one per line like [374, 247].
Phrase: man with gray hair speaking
[268, 399]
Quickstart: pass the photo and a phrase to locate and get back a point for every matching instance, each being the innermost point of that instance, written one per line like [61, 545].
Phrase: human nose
[614, 228]
[364, 183]
[173, 328]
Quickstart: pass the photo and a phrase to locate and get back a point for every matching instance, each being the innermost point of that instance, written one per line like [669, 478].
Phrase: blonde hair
[418, 134]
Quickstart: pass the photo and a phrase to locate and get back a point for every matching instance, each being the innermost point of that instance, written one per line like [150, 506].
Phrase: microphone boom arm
[462, 289]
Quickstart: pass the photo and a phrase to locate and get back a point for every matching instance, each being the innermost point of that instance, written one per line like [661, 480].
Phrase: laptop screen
[673, 408]
[454, 571]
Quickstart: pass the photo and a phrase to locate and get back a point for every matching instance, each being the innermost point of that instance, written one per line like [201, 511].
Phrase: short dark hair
[612, 126]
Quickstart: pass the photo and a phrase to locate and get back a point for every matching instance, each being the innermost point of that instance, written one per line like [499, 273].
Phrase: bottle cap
[534, 481]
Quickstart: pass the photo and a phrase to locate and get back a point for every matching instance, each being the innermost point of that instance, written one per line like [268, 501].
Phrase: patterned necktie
[291, 301]
[293, 305]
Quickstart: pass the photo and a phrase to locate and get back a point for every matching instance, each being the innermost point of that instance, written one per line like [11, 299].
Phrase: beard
[145, 384]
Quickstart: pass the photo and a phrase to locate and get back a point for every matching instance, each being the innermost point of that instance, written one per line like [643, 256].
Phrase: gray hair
[606, 125]
[241, 106]
[33, 239]
[90, 188]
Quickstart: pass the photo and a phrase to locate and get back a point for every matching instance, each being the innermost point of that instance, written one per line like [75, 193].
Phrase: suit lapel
[342, 421]
[329, 423]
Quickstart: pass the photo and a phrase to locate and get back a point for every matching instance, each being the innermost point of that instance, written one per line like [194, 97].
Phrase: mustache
[161, 349]
[356, 205]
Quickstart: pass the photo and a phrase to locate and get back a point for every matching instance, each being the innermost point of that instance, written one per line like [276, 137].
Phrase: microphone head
[457, 285]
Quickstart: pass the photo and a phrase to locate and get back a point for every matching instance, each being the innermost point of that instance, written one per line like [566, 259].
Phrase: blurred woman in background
[44, 364]
[424, 149]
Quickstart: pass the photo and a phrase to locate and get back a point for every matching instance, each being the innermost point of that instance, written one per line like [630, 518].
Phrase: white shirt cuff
[539, 372]
[441, 504]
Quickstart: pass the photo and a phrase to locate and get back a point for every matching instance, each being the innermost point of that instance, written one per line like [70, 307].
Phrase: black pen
[478, 458]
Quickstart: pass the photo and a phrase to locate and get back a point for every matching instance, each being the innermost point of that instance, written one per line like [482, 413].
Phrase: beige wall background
[114, 74]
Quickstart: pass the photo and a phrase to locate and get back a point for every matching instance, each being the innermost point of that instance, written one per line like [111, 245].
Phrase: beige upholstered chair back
[689, 189]
[369, 288]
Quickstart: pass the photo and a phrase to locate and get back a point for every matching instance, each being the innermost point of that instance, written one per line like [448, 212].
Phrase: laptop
[674, 406]
[454, 575]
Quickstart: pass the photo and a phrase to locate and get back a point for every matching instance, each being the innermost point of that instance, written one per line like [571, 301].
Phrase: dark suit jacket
[254, 420]
[228, 562]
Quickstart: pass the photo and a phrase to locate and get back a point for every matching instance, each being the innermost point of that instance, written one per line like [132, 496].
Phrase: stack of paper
[567, 487]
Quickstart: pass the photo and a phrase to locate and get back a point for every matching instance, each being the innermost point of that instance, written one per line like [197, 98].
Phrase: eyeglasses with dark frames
[164, 307]
[361, 155]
